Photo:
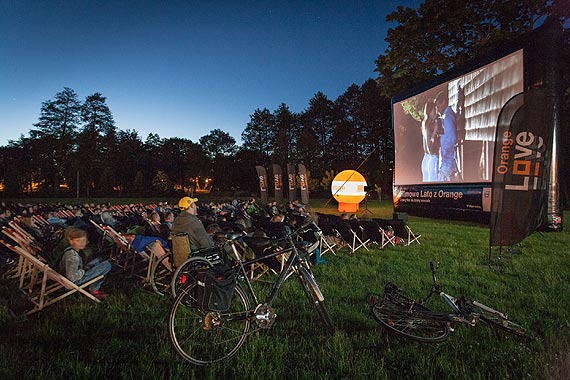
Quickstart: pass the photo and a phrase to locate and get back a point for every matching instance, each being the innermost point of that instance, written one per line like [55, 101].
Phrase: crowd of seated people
[153, 220]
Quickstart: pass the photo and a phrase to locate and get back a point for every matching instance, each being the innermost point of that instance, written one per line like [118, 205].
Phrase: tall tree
[286, 134]
[259, 134]
[97, 122]
[183, 160]
[348, 119]
[376, 127]
[319, 117]
[442, 34]
[218, 143]
[57, 126]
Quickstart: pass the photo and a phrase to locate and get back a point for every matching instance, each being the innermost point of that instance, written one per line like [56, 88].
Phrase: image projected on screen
[446, 134]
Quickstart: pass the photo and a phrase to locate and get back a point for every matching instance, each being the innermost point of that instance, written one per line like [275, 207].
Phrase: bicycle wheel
[314, 295]
[204, 337]
[499, 320]
[161, 275]
[409, 319]
[185, 273]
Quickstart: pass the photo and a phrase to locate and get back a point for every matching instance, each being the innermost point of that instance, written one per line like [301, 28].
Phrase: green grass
[127, 338]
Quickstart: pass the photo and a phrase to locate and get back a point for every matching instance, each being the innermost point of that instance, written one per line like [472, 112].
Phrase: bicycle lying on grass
[205, 329]
[411, 319]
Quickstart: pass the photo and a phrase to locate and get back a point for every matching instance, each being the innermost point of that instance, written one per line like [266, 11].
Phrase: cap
[185, 202]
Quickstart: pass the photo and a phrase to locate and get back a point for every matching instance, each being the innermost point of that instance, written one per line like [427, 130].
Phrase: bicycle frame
[453, 303]
[291, 266]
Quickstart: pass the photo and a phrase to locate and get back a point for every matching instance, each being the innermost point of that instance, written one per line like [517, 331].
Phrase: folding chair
[412, 237]
[359, 238]
[23, 269]
[374, 232]
[125, 256]
[53, 286]
[329, 237]
[385, 229]
[345, 232]
[404, 232]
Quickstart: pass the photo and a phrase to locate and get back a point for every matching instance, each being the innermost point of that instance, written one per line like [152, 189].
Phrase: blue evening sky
[184, 68]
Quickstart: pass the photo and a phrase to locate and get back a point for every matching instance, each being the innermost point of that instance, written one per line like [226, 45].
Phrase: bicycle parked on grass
[204, 333]
[411, 319]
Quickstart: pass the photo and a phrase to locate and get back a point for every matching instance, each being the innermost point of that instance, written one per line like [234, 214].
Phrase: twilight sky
[184, 68]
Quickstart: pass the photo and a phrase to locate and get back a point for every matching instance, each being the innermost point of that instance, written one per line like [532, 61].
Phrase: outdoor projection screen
[444, 137]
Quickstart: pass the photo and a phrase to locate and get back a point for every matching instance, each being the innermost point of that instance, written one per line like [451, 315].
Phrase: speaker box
[401, 216]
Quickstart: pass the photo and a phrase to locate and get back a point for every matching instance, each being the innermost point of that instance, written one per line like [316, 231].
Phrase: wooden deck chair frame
[358, 241]
[155, 251]
[412, 237]
[388, 236]
[51, 282]
[124, 256]
[23, 269]
[375, 233]
[26, 240]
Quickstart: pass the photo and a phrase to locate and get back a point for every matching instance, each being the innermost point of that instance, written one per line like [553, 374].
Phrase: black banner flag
[304, 184]
[523, 146]
[278, 183]
[291, 182]
[262, 176]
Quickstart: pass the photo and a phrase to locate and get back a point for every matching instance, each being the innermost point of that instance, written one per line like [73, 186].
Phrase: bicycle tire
[315, 296]
[202, 337]
[496, 319]
[161, 275]
[408, 319]
[184, 273]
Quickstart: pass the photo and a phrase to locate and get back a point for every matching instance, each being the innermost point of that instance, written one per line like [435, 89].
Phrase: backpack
[54, 249]
[215, 287]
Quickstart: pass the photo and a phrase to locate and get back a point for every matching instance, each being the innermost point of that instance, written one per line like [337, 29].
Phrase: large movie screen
[446, 134]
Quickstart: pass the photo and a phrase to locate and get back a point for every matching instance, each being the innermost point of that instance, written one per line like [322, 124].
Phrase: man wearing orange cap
[187, 222]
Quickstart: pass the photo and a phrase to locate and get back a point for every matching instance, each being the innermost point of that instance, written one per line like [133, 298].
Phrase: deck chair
[385, 228]
[404, 232]
[374, 233]
[330, 238]
[48, 286]
[345, 232]
[412, 237]
[126, 257]
[22, 269]
[24, 238]
[359, 238]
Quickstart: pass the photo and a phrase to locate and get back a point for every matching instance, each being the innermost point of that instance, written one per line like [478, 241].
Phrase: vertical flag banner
[304, 184]
[521, 168]
[278, 183]
[291, 182]
[262, 176]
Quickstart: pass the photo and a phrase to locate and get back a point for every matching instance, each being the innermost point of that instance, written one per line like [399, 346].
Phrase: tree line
[75, 148]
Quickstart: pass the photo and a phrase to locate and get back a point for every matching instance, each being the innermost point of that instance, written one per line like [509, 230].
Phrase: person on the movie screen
[431, 132]
[448, 168]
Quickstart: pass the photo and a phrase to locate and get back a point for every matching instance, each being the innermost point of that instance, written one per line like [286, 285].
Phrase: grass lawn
[126, 337]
